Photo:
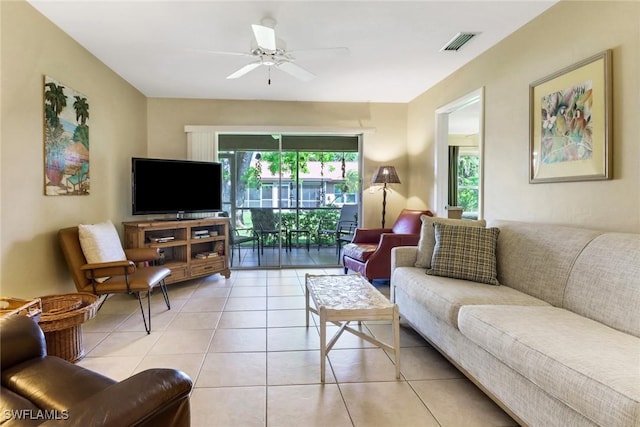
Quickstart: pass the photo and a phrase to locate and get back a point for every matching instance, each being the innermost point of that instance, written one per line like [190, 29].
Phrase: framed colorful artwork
[66, 140]
[570, 123]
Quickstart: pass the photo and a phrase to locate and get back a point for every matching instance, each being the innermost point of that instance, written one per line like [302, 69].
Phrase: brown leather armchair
[369, 253]
[37, 389]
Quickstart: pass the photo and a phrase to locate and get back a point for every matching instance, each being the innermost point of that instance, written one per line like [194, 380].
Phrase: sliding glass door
[281, 190]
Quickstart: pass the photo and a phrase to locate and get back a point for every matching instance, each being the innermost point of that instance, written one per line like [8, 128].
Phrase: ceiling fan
[271, 52]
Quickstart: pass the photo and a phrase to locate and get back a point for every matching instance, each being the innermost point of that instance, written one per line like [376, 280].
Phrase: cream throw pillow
[428, 239]
[100, 243]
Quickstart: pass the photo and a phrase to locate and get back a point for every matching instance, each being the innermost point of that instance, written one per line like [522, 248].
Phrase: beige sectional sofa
[557, 343]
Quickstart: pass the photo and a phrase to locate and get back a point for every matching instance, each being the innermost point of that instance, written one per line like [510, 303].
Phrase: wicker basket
[61, 321]
[20, 307]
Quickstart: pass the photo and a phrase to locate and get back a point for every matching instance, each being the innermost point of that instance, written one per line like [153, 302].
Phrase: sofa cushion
[360, 251]
[537, 258]
[467, 253]
[604, 284]
[588, 366]
[428, 239]
[444, 296]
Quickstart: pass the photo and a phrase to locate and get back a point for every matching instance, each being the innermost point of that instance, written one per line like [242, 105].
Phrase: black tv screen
[162, 186]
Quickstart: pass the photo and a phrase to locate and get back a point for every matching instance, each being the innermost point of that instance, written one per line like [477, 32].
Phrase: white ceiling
[394, 46]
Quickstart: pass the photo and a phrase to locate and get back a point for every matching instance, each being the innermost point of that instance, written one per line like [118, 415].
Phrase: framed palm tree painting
[66, 140]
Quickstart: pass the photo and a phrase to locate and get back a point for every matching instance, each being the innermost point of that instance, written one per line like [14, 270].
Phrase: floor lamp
[385, 175]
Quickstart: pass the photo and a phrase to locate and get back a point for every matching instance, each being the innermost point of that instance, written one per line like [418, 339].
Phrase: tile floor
[253, 363]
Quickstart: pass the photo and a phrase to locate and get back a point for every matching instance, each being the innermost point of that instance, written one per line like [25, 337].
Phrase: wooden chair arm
[142, 254]
[105, 269]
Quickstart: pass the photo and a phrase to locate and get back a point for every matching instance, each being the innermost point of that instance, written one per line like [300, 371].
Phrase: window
[252, 198]
[310, 194]
[468, 179]
[286, 195]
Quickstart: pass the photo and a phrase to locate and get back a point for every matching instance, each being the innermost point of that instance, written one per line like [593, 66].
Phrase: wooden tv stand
[189, 248]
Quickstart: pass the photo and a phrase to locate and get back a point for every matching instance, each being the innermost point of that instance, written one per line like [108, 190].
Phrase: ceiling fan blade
[321, 51]
[244, 70]
[296, 71]
[265, 36]
[217, 52]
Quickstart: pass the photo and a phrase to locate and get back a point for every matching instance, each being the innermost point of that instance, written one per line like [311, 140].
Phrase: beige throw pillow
[428, 240]
[467, 253]
[100, 243]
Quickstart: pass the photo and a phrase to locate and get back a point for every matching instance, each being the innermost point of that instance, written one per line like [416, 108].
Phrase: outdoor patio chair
[265, 226]
[236, 239]
[344, 229]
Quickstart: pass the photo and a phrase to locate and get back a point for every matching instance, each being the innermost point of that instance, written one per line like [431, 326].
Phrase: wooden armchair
[124, 276]
[369, 253]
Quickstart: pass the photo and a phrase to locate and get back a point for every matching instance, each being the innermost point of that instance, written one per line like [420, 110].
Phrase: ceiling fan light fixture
[270, 51]
[458, 41]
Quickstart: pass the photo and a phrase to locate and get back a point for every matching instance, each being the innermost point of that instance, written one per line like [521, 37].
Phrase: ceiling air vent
[458, 41]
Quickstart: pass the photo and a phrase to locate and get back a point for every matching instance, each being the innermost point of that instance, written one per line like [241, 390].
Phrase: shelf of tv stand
[180, 252]
[166, 244]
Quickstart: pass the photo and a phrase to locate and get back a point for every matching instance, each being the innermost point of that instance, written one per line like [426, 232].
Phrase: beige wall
[31, 262]
[565, 34]
[168, 117]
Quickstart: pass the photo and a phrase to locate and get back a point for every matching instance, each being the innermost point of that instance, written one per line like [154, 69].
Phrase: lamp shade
[385, 175]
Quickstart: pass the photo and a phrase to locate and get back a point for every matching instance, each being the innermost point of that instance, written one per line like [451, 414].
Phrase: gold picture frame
[570, 123]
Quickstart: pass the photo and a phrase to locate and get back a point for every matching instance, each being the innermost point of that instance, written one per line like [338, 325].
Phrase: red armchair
[369, 253]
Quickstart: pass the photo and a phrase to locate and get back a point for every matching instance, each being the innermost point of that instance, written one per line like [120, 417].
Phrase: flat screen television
[160, 186]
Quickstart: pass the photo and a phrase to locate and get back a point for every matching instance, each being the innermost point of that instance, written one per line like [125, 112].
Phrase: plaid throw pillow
[467, 253]
[428, 240]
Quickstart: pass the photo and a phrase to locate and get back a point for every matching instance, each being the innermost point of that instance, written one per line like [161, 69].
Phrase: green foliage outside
[291, 163]
[468, 180]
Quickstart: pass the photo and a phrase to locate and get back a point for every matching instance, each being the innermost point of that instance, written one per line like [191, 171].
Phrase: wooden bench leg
[396, 339]
[323, 342]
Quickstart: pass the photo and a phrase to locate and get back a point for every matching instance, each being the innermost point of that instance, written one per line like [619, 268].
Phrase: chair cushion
[142, 280]
[100, 243]
[467, 253]
[359, 251]
[428, 239]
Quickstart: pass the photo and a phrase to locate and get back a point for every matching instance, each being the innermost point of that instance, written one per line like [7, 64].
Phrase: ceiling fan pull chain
[269, 81]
